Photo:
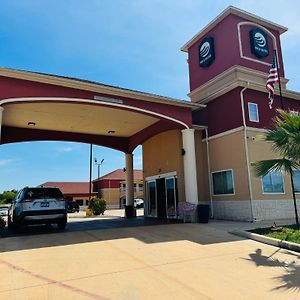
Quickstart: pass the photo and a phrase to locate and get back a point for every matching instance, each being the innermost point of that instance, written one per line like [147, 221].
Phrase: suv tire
[10, 224]
[62, 225]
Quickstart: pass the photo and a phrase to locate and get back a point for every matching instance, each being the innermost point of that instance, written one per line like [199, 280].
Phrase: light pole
[99, 165]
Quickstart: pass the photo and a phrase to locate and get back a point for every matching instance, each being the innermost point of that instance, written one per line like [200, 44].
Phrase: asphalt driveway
[166, 261]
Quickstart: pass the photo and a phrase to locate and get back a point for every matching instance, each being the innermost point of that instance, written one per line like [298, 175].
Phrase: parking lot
[133, 259]
[79, 221]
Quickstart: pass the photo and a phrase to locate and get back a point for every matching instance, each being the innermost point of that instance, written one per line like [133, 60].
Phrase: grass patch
[288, 233]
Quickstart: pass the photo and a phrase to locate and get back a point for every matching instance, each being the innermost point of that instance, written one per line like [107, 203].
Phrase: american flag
[272, 79]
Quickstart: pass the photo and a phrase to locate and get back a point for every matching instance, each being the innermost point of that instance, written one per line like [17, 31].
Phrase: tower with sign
[229, 62]
[234, 38]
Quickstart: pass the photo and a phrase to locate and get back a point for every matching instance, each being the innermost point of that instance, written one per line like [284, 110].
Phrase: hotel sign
[259, 42]
[206, 52]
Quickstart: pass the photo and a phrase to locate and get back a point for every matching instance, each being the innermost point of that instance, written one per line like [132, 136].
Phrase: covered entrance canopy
[39, 107]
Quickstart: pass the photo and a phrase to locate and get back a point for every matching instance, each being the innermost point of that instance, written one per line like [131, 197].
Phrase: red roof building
[77, 191]
[112, 187]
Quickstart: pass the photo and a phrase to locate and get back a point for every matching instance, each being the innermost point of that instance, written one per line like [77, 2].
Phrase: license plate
[44, 204]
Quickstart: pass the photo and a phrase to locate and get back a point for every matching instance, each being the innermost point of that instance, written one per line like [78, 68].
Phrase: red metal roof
[119, 174]
[70, 187]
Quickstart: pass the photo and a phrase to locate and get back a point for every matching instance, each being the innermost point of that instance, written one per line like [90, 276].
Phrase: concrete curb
[267, 240]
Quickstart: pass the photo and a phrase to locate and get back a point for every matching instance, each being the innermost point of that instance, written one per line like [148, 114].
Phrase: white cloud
[5, 162]
[67, 149]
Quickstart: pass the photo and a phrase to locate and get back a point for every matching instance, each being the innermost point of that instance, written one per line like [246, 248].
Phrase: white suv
[38, 205]
[138, 203]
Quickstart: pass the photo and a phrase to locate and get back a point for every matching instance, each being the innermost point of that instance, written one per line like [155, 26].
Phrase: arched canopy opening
[40, 106]
[112, 125]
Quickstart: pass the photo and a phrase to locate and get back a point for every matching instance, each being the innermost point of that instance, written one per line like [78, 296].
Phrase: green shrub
[2, 223]
[97, 205]
[8, 196]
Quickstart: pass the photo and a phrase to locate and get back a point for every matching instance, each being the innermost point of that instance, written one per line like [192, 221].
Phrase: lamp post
[99, 164]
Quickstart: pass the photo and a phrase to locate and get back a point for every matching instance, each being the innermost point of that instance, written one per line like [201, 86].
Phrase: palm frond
[262, 168]
[285, 135]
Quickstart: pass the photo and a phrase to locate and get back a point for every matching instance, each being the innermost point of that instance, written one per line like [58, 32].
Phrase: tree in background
[285, 140]
[8, 196]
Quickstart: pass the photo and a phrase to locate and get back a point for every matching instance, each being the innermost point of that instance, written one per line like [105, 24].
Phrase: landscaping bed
[288, 233]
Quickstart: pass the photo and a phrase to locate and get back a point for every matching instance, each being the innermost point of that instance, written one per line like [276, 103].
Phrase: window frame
[296, 170]
[273, 193]
[220, 171]
[249, 115]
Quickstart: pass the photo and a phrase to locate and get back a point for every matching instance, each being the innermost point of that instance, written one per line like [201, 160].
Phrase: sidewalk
[110, 213]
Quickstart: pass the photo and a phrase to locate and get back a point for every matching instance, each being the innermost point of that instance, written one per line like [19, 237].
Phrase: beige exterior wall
[112, 196]
[228, 152]
[162, 154]
[261, 150]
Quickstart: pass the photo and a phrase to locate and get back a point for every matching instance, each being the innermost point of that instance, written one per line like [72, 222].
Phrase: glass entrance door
[171, 197]
[152, 199]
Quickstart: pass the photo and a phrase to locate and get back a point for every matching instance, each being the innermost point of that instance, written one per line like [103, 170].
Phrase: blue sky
[133, 44]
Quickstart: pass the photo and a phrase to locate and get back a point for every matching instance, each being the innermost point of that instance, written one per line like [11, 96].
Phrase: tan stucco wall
[228, 152]
[112, 196]
[162, 154]
[261, 150]
[202, 167]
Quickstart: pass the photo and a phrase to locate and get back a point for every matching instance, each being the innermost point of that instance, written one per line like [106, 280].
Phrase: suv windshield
[43, 193]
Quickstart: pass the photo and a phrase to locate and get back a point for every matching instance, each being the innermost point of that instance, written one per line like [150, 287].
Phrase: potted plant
[97, 205]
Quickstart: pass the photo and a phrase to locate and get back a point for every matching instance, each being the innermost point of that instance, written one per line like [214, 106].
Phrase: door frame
[154, 178]
[175, 196]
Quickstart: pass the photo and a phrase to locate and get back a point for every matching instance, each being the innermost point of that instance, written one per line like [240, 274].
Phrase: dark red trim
[78, 195]
[107, 183]
[17, 88]
[221, 114]
[14, 134]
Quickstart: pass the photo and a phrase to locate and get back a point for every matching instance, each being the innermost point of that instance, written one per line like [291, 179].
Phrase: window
[253, 112]
[79, 201]
[140, 187]
[273, 183]
[223, 182]
[122, 187]
[296, 178]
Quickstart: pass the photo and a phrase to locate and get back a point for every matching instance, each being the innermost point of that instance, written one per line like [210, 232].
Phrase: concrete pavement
[171, 261]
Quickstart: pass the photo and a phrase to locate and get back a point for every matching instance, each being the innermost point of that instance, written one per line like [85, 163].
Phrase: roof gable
[233, 11]
[119, 174]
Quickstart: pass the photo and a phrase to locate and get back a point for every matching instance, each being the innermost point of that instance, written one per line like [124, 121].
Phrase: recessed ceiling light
[31, 123]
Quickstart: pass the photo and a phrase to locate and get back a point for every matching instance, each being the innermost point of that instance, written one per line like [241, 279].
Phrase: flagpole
[279, 82]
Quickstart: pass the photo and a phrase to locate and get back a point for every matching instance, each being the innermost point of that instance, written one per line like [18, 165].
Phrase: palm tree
[285, 139]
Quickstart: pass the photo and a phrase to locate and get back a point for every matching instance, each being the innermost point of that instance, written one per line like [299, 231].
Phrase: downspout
[209, 175]
[246, 150]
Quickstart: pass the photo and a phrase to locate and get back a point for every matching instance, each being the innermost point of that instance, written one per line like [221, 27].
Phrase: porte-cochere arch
[39, 107]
